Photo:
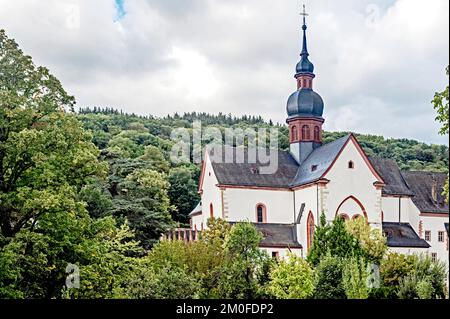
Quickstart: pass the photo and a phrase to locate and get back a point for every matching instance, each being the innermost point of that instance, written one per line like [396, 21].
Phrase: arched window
[211, 210]
[294, 133]
[356, 216]
[305, 132]
[344, 216]
[261, 213]
[310, 230]
[316, 133]
[351, 165]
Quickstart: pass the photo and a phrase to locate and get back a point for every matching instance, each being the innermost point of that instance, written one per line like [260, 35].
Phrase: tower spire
[304, 27]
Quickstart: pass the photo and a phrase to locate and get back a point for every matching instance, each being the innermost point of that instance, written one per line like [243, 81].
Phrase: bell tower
[304, 107]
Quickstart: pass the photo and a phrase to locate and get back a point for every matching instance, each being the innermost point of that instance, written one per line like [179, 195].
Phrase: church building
[336, 178]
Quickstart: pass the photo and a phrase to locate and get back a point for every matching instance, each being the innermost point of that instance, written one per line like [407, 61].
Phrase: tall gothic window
[316, 133]
[310, 230]
[294, 133]
[261, 216]
[211, 210]
[305, 132]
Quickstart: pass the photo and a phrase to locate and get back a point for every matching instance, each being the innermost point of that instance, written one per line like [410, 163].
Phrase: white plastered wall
[357, 182]
[211, 194]
[240, 205]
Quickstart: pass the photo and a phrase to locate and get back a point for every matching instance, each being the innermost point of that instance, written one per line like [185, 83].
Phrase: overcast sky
[377, 62]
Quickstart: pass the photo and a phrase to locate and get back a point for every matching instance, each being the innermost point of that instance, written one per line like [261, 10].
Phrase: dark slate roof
[390, 172]
[322, 157]
[288, 174]
[402, 235]
[421, 184]
[243, 173]
[197, 209]
[277, 235]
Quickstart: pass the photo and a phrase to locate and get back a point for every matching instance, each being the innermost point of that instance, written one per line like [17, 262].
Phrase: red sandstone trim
[357, 201]
[434, 214]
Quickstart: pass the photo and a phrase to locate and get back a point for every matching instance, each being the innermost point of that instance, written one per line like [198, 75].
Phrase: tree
[44, 151]
[393, 268]
[320, 242]
[334, 240]
[292, 279]
[239, 273]
[155, 158]
[355, 278]
[183, 193]
[328, 279]
[441, 105]
[372, 241]
[143, 200]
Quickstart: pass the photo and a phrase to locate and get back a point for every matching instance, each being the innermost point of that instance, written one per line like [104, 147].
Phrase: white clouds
[193, 74]
[376, 65]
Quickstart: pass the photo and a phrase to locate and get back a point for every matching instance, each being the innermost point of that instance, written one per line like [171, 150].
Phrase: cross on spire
[304, 14]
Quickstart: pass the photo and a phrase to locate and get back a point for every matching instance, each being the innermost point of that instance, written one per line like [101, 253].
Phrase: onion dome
[304, 103]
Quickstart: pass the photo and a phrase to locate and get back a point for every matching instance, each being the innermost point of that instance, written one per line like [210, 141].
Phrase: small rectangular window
[428, 235]
[441, 236]
[275, 254]
[433, 256]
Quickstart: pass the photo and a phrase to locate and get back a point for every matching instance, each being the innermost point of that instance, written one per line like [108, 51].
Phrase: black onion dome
[304, 103]
[304, 66]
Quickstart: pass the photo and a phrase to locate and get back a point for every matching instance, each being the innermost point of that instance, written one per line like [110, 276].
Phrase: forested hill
[108, 123]
[142, 178]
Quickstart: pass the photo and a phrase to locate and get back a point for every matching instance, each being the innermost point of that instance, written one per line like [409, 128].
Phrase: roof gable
[321, 158]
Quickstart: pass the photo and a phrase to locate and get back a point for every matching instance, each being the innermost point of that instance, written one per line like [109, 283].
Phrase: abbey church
[336, 178]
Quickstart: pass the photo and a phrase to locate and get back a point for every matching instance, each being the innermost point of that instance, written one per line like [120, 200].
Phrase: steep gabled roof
[243, 173]
[321, 158]
[421, 184]
[390, 172]
[402, 235]
[238, 171]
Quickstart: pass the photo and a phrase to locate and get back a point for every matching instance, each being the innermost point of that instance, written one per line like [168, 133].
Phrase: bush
[328, 279]
[425, 281]
[355, 279]
[292, 279]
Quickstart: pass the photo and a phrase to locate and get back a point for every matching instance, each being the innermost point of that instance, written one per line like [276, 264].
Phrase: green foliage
[372, 241]
[393, 268]
[144, 201]
[293, 278]
[320, 242]
[182, 193]
[440, 103]
[328, 279]
[411, 277]
[354, 278]
[334, 240]
[240, 272]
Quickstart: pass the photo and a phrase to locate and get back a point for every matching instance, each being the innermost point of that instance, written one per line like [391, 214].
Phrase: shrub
[328, 279]
[355, 279]
[292, 279]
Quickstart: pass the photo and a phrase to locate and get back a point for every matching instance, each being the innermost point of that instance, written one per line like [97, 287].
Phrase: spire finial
[304, 14]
